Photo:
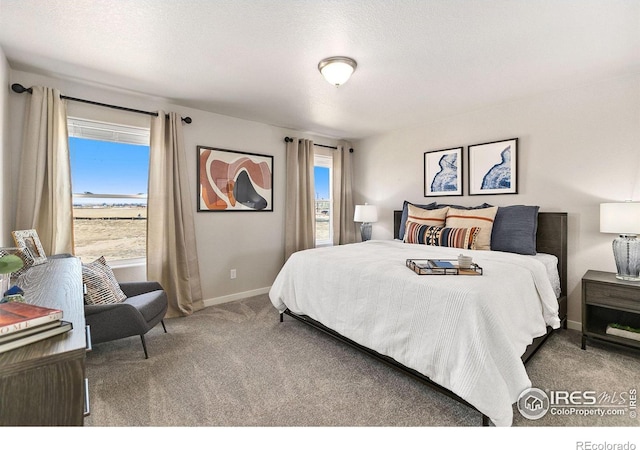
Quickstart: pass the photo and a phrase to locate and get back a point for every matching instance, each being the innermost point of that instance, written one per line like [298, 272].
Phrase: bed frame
[551, 238]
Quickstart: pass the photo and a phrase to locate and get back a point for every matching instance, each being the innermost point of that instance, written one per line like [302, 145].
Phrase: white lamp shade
[365, 213]
[337, 70]
[620, 218]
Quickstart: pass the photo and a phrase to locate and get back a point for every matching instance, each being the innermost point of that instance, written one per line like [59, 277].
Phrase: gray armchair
[145, 306]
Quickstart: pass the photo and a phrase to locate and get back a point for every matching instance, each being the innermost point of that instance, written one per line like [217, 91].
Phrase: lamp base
[365, 231]
[626, 252]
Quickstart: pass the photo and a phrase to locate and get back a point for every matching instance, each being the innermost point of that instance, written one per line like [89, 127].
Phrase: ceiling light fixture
[337, 69]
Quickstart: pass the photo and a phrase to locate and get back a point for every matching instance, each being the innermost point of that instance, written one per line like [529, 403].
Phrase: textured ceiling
[418, 61]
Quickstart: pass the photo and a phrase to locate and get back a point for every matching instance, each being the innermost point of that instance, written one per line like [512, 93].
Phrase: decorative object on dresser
[367, 214]
[609, 306]
[443, 172]
[43, 383]
[8, 264]
[493, 168]
[623, 219]
[29, 240]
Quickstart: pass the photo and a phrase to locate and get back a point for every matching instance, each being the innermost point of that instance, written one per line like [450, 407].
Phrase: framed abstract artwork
[230, 180]
[28, 241]
[443, 172]
[493, 168]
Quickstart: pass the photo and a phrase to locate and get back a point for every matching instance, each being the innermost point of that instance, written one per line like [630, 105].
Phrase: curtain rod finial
[18, 88]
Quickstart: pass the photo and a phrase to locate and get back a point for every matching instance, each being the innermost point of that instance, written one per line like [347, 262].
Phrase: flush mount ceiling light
[337, 69]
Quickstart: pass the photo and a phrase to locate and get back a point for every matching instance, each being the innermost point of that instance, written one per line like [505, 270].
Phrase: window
[322, 179]
[109, 179]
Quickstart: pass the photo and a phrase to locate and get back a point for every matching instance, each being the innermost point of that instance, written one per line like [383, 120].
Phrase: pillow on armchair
[101, 284]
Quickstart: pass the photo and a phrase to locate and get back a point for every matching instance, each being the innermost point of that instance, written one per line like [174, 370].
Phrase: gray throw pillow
[514, 229]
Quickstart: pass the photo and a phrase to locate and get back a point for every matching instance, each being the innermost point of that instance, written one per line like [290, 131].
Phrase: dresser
[44, 383]
[606, 300]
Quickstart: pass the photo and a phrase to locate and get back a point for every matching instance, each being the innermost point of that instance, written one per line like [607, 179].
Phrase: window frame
[102, 130]
[325, 159]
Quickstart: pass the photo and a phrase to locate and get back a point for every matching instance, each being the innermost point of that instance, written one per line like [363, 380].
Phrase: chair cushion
[102, 286]
[150, 304]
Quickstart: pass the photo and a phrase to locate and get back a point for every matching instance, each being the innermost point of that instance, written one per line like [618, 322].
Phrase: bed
[461, 335]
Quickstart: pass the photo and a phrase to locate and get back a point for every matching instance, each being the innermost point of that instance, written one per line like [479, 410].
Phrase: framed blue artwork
[443, 172]
[493, 168]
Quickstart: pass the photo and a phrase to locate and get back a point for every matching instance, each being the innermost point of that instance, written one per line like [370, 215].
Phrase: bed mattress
[465, 333]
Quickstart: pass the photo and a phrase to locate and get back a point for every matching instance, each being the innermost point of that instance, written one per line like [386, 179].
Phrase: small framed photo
[229, 180]
[443, 172]
[29, 240]
[493, 168]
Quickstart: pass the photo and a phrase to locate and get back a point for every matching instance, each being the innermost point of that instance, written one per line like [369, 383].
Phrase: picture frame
[493, 167]
[230, 180]
[443, 172]
[30, 242]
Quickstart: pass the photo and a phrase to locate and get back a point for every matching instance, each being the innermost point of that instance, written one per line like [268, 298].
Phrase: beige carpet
[236, 365]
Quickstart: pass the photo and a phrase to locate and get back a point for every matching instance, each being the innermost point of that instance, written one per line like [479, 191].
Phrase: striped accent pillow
[102, 286]
[431, 217]
[469, 218]
[464, 238]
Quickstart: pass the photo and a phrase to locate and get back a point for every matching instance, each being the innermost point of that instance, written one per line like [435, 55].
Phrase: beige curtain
[172, 257]
[299, 228]
[44, 180]
[344, 229]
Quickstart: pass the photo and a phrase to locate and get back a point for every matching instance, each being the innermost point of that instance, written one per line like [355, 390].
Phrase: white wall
[5, 156]
[250, 242]
[577, 148]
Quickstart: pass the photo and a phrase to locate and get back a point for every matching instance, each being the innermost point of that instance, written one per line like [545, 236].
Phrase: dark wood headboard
[551, 238]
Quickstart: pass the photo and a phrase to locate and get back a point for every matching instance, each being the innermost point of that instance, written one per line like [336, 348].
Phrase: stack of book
[23, 324]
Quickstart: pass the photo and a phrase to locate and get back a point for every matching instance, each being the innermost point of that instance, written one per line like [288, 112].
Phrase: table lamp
[623, 219]
[366, 214]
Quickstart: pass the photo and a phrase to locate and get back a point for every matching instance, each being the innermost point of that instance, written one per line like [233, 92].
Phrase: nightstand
[605, 300]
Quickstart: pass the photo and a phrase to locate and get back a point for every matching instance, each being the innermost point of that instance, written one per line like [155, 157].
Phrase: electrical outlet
[232, 274]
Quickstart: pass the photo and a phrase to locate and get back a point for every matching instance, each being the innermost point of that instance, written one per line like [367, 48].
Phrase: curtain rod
[288, 139]
[18, 88]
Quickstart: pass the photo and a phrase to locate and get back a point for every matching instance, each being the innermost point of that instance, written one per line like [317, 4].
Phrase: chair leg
[144, 346]
[165, 328]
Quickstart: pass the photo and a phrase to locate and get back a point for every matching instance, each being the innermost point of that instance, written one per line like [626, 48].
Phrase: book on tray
[34, 334]
[17, 316]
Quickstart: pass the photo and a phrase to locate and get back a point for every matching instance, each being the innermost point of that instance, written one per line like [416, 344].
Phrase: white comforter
[466, 333]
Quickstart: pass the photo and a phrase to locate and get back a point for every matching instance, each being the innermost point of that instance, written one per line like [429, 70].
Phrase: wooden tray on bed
[441, 267]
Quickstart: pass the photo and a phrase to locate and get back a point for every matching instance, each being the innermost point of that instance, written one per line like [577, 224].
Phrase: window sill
[125, 263]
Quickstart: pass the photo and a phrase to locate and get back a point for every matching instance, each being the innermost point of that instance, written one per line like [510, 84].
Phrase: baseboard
[234, 297]
[573, 325]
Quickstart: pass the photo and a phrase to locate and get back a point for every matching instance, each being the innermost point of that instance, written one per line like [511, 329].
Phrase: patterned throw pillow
[464, 238]
[102, 286]
[431, 217]
[480, 218]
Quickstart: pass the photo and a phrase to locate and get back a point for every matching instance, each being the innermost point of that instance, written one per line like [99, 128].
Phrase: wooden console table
[44, 383]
